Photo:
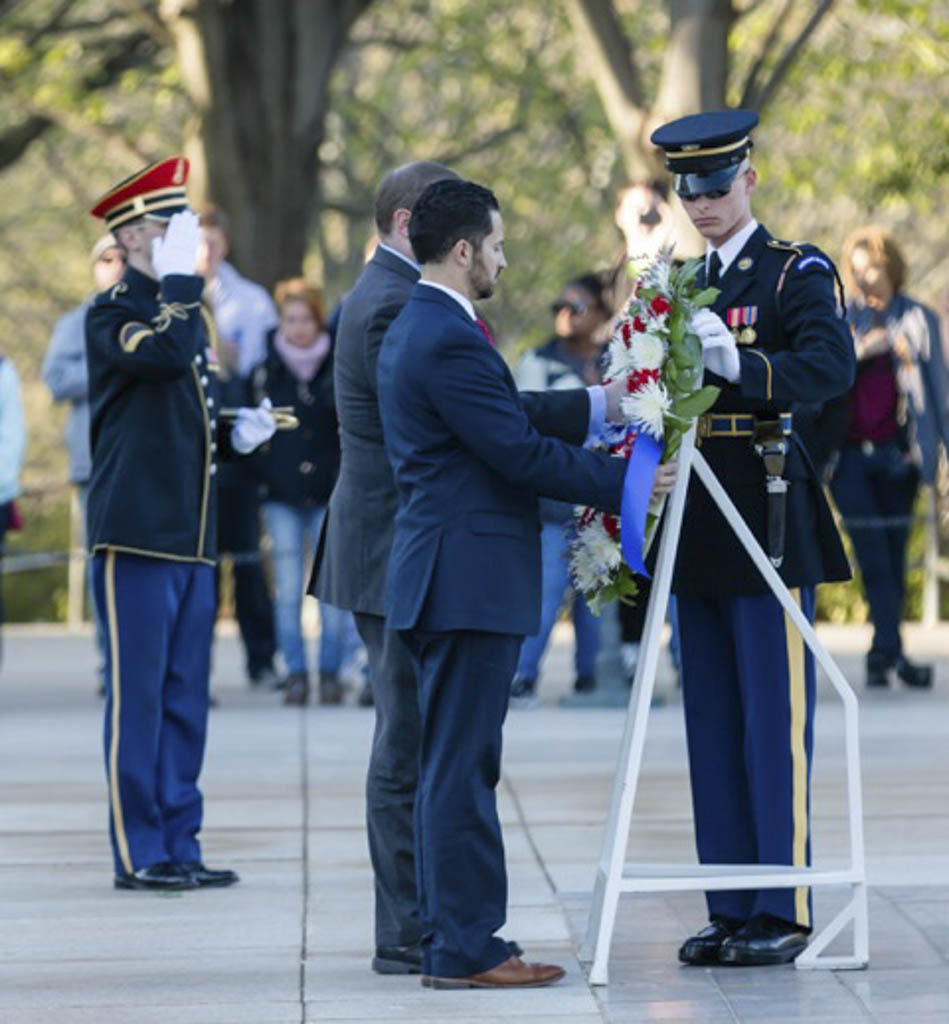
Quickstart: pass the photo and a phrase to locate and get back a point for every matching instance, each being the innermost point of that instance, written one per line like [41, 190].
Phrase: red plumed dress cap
[157, 190]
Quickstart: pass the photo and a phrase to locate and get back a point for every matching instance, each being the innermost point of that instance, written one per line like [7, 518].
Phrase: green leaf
[698, 402]
[705, 297]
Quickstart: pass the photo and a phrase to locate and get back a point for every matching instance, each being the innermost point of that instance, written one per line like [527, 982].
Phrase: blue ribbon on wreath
[637, 490]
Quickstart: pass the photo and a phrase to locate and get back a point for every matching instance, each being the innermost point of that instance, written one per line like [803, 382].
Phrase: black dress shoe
[878, 670]
[209, 878]
[919, 676]
[398, 959]
[161, 877]
[703, 948]
[408, 959]
[764, 940]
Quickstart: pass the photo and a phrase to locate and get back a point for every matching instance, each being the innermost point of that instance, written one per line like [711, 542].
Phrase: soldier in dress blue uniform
[774, 337]
[156, 435]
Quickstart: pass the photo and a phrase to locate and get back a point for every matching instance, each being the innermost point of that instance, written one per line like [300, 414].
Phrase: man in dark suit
[350, 567]
[774, 337]
[463, 583]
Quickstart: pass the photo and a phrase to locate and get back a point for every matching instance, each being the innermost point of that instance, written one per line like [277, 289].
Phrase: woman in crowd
[894, 426]
[299, 470]
[571, 358]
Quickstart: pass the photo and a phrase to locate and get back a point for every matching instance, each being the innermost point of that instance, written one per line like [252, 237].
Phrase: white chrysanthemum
[647, 406]
[656, 273]
[622, 359]
[647, 352]
[602, 550]
[594, 557]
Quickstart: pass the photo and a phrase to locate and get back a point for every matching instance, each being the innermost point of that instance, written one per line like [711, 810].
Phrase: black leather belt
[735, 425]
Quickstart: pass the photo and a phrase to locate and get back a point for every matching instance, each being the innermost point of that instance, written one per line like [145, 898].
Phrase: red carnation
[639, 324]
[659, 305]
[626, 331]
[611, 525]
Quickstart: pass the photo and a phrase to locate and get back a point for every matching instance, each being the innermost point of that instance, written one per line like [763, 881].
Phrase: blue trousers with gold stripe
[749, 691]
[157, 617]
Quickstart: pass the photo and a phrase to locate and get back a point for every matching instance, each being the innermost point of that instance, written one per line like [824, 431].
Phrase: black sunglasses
[711, 193]
[577, 308]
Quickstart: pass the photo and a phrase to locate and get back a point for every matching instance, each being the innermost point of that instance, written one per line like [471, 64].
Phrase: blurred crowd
[874, 447]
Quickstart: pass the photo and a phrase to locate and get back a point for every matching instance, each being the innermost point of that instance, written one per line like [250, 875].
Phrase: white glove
[252, 427]
[177, 251]
[719, 351]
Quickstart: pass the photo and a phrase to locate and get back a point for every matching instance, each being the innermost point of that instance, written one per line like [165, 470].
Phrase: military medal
[740, 320]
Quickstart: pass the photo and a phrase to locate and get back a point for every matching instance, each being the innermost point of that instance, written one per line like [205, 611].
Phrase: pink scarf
[303, 363]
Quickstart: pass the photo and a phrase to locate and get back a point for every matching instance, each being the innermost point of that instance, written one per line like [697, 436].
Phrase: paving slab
[284, 797]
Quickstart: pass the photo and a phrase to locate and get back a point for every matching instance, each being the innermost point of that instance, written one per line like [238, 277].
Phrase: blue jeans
[288, 526]
[554, 540]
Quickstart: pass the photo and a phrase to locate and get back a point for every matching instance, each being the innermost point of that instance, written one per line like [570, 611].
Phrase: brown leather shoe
[513, 973]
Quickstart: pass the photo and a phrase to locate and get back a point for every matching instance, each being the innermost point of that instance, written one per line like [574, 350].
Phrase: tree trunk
[695, 64]
[258, 73]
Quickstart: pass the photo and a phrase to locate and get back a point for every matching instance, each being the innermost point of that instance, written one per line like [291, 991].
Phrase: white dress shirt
[730, 250]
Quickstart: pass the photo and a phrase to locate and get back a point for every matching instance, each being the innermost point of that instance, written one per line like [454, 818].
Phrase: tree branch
[790, 55]
[15, 141]
[750, 90]
[605, 50]
[134, 51]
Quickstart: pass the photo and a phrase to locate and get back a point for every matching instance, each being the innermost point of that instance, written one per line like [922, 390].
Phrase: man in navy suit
[463, 584]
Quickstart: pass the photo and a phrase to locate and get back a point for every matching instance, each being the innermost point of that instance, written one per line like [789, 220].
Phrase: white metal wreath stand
[613, 877]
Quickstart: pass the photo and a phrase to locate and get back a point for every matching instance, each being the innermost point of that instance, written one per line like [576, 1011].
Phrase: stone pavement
[292, 942]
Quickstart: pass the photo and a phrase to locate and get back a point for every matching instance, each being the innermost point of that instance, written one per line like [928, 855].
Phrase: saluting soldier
[775, 336]
[156, 435]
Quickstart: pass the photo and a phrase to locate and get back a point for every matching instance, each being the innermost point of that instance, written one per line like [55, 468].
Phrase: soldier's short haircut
[400, 189]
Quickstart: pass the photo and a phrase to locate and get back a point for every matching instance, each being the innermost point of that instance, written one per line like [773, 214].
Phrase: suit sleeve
[161, 348]
[819, 363]
[474, 395]
[564, 414]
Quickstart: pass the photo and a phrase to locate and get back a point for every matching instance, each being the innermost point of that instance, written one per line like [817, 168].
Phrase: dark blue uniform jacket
[802, 353]
[154, 420]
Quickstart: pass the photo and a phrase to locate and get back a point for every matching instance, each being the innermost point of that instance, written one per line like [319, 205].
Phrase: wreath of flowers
[655, 349]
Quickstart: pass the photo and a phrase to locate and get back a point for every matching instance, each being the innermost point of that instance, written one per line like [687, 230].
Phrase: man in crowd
[156, 437]
[243, 314]
[470, 456]
[775, 336]
[67, 377]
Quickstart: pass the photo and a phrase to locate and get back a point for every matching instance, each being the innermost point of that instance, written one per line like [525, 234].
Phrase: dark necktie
[483, 328]
[714, 274]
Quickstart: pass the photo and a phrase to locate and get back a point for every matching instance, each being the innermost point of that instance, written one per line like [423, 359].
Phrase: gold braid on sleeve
[168, 311]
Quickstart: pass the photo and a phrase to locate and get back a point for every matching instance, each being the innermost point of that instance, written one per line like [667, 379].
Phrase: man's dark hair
[446, 212]
[400, 189]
